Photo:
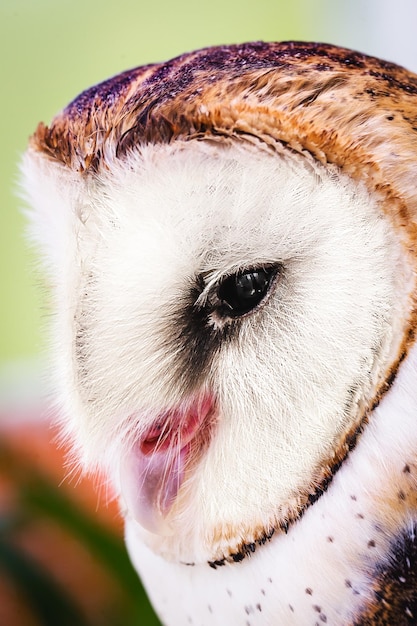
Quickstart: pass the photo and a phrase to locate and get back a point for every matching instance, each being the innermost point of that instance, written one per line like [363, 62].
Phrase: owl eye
[242, 292]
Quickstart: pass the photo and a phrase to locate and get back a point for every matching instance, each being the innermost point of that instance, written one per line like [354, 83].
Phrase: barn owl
[231, 245]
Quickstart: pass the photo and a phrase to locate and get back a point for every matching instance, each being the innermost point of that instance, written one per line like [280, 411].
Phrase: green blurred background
[53, 49]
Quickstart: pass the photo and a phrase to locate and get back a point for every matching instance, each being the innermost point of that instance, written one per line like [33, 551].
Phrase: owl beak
[152, 474]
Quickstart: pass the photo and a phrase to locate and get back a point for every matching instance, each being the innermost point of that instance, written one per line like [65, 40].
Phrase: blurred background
[62, 559]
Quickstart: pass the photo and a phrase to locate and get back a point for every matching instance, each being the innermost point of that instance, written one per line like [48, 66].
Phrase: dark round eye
[240, 293]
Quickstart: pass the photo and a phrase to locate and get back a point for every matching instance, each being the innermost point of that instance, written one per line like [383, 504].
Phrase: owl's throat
[155, 469]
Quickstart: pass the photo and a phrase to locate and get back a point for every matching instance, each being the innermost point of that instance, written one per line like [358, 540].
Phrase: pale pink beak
[153, 472]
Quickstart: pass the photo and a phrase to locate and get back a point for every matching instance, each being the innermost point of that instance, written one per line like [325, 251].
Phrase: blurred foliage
[47, 600]
[36, 499]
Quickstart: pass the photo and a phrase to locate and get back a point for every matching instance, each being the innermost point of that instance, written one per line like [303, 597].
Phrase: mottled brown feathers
[340, 106]
[305, 94]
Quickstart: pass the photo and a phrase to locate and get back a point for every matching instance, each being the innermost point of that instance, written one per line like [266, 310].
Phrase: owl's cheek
[155, 467]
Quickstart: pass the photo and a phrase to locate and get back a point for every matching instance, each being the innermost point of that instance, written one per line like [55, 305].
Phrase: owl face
[232, 319]
[233, 262]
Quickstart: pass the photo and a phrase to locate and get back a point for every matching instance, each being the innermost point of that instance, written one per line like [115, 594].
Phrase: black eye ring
[240, 293]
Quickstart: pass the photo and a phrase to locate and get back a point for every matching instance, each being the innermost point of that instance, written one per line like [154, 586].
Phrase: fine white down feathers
[234, 275]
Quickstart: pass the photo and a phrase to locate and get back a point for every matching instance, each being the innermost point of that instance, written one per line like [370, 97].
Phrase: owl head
[230, 239]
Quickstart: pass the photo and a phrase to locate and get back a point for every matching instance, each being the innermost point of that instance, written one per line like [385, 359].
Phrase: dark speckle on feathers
[395, 585]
